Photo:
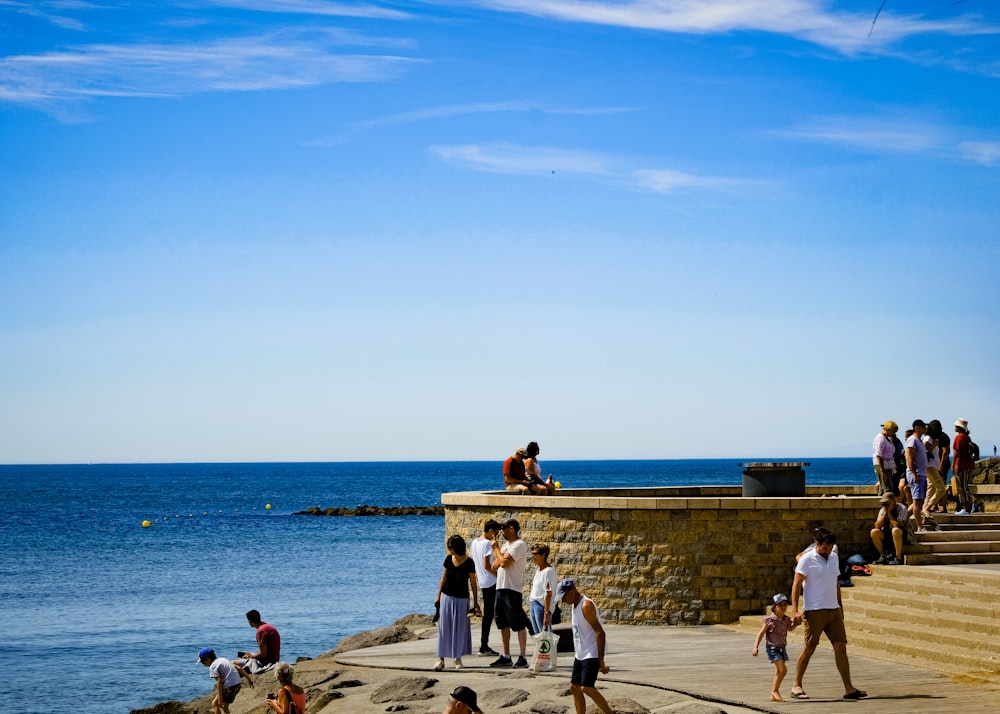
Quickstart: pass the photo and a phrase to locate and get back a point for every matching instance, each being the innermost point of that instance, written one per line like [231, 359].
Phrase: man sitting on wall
[889, 527]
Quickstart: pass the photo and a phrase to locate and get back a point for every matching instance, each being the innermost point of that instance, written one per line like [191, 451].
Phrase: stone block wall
[669, 556]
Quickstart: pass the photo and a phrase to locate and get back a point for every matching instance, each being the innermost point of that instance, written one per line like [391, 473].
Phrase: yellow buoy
[558, 484]
[145, 524]
[268, 506]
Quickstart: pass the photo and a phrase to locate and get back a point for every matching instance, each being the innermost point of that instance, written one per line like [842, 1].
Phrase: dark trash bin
[768, 478]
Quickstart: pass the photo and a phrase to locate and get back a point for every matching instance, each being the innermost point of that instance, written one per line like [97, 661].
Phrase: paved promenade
[713, 663]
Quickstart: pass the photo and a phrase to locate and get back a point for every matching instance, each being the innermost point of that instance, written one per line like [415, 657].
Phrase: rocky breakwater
[374, 511]
[402, 681]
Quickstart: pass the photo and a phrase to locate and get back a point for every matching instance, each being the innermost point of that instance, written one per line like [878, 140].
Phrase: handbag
[544, 659]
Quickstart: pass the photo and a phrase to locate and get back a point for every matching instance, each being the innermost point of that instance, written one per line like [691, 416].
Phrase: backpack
[293, 708]
[973, 450]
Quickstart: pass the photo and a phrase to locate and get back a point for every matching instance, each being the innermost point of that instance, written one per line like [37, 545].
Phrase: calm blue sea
[103, 615]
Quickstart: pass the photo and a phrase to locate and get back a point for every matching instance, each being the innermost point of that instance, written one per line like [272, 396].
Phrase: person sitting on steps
[889, 526]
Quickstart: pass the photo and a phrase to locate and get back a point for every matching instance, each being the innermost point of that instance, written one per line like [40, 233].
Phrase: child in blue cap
[776, 627]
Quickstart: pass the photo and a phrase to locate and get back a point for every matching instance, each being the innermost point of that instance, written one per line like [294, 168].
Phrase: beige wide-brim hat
[963, 423]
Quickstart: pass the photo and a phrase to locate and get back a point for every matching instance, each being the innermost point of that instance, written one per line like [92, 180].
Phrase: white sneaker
[440, 664]
[458, 664]
[963, 512]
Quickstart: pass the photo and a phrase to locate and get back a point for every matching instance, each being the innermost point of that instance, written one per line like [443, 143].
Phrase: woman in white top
[533, 470]
[543, 589]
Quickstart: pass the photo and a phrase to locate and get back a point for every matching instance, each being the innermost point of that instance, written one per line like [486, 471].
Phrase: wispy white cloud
[893, 135]
[866, 133]
[279, 60]
[313, 7]
[453, 110]
[814, 21]
[986, 153]
[618, 170]
[513, 159]
[457, 110]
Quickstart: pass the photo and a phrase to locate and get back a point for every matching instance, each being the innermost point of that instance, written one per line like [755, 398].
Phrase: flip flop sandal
[856, 694]
[800, 695]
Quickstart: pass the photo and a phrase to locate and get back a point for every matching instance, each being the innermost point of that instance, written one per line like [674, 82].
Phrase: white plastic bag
[544, 659]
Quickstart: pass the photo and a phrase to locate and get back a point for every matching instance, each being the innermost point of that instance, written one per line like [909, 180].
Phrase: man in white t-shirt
[817, 583]
[511, 561]
[481, 551]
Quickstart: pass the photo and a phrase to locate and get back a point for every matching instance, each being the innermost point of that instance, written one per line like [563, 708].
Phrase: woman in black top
[452, 602]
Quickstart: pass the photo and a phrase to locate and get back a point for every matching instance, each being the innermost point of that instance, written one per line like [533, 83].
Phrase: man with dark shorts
[510, 561]
[817, 582]
[589, 646]
[228, 678]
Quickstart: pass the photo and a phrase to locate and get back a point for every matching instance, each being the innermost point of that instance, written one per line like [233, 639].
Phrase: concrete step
[953, 546]
[886, 598]
[952, 558]
[919, 623]
[969, 580]
[970, 526]
[947, 536]
[892, 645]
[934, 584]
[952, 519]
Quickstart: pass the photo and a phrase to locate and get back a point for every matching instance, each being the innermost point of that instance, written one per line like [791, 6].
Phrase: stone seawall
[696, 555]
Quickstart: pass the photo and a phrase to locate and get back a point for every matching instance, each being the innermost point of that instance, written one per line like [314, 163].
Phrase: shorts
[776, 654]
[229, 693]
[830, 622]
[918, 486]
[509, 612]
[517, 487]
[585, 672]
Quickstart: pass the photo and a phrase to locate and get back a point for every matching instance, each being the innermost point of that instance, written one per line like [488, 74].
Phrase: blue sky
[252, 230]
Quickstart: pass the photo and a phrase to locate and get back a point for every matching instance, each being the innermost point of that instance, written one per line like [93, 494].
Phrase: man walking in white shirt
[817, 582]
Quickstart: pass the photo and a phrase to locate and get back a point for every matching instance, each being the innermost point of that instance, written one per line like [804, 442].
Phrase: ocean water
[103, 615]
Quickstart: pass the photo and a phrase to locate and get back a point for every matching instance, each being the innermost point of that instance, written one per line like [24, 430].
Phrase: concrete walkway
[713, 663]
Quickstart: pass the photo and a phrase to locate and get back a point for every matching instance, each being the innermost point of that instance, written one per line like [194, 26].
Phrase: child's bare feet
[776, 697]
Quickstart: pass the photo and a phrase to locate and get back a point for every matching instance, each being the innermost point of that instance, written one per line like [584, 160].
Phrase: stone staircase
[943, 618]
[973, 539]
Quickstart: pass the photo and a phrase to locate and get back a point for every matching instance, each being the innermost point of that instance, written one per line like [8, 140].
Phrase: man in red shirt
[962, 467]
[268, 646]
[514, 478]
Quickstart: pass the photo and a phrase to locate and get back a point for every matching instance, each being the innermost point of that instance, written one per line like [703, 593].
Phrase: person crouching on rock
[228, 679]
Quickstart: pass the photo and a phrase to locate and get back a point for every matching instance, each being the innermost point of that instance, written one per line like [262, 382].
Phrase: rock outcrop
[374, 511]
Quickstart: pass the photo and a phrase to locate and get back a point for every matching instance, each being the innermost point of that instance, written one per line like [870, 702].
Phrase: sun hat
[778, 599]
[962, 423]
[565, 585]
[467, 697]
[205, 652]
[522, 452]
[890, 425]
